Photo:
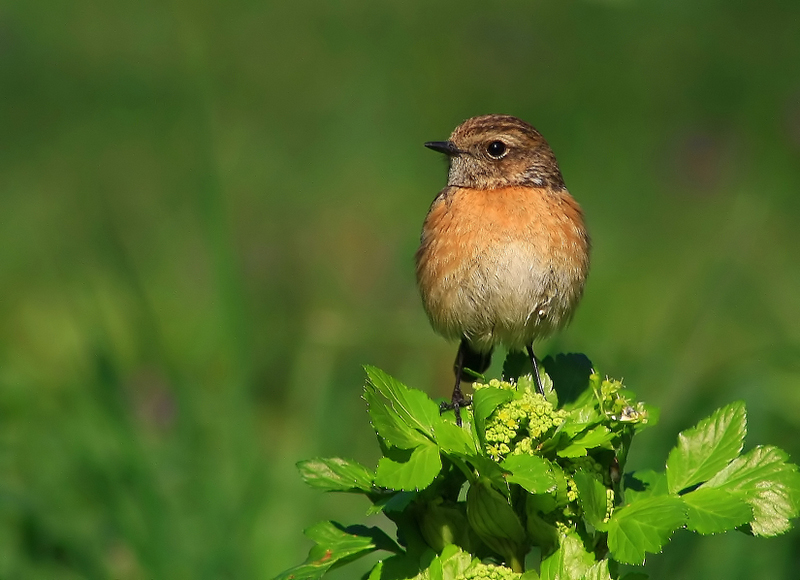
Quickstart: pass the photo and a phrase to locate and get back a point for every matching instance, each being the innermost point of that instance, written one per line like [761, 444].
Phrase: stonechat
[504, 251]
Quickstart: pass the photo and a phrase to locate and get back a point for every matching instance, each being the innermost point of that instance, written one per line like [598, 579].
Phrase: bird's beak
[447, 147]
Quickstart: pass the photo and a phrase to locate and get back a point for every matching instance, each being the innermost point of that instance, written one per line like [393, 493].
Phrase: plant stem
[463, 467]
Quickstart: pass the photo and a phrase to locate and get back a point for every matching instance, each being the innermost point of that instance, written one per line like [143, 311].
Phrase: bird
[504, 250]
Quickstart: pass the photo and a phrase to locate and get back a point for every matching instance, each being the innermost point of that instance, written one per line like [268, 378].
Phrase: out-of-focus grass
[208, 214]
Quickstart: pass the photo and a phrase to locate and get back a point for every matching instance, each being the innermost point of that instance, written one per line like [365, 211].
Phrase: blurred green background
[208, 214]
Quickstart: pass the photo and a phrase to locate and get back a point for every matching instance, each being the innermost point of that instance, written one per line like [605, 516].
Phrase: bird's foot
[457, 402]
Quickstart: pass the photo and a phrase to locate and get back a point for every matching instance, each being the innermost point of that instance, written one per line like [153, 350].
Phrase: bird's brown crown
[493, 151]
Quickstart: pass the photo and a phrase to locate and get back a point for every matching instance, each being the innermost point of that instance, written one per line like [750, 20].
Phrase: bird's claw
[457, 403]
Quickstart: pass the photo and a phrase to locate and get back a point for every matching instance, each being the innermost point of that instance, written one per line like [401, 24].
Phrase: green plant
[534, 486]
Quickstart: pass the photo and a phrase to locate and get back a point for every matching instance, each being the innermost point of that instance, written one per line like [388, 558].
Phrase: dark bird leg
[466, 358]
[535, 364]
[458, 399]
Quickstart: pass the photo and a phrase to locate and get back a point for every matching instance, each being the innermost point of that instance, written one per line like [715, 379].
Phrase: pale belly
[506, 296]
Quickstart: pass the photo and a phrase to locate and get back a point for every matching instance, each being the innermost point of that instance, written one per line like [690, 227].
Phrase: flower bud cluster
[589, 465]
[489, 572]
[610, 500]
[616, 402]
[519, 425]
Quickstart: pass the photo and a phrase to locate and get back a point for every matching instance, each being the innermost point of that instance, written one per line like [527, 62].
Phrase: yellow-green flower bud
[481, 571]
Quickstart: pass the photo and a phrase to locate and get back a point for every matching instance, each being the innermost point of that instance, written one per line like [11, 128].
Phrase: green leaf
[773, 508]
[586, 401]
[376, 572]
[644, 526]
[449, 565]
[397, 567]
[579, 421]
[334, 536]
[592, 498]
[599, 436]
[645, 483]
[454, 562]
[570, 561]
[392, 502]
[335, 545]
[389, 425]
[414, 407]
[598, 572]
[561, 494]
[770, 485]
[335, 474]
[531, 472]
[455, 440]
[414, 471]
[715, 510]
[706, 448]
[490, 469]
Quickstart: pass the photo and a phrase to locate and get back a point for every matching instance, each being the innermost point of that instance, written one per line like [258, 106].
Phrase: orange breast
[502, 266]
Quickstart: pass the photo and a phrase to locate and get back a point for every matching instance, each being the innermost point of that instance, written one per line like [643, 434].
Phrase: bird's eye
[496, 149]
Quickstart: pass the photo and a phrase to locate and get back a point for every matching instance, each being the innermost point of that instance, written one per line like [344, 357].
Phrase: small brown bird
[504, 251]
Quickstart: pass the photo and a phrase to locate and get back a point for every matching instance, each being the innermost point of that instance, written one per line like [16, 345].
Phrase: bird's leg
[457, 400]
[535, 364]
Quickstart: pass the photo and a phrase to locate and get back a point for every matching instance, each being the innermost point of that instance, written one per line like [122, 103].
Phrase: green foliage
[334, 545]
[525, 472]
